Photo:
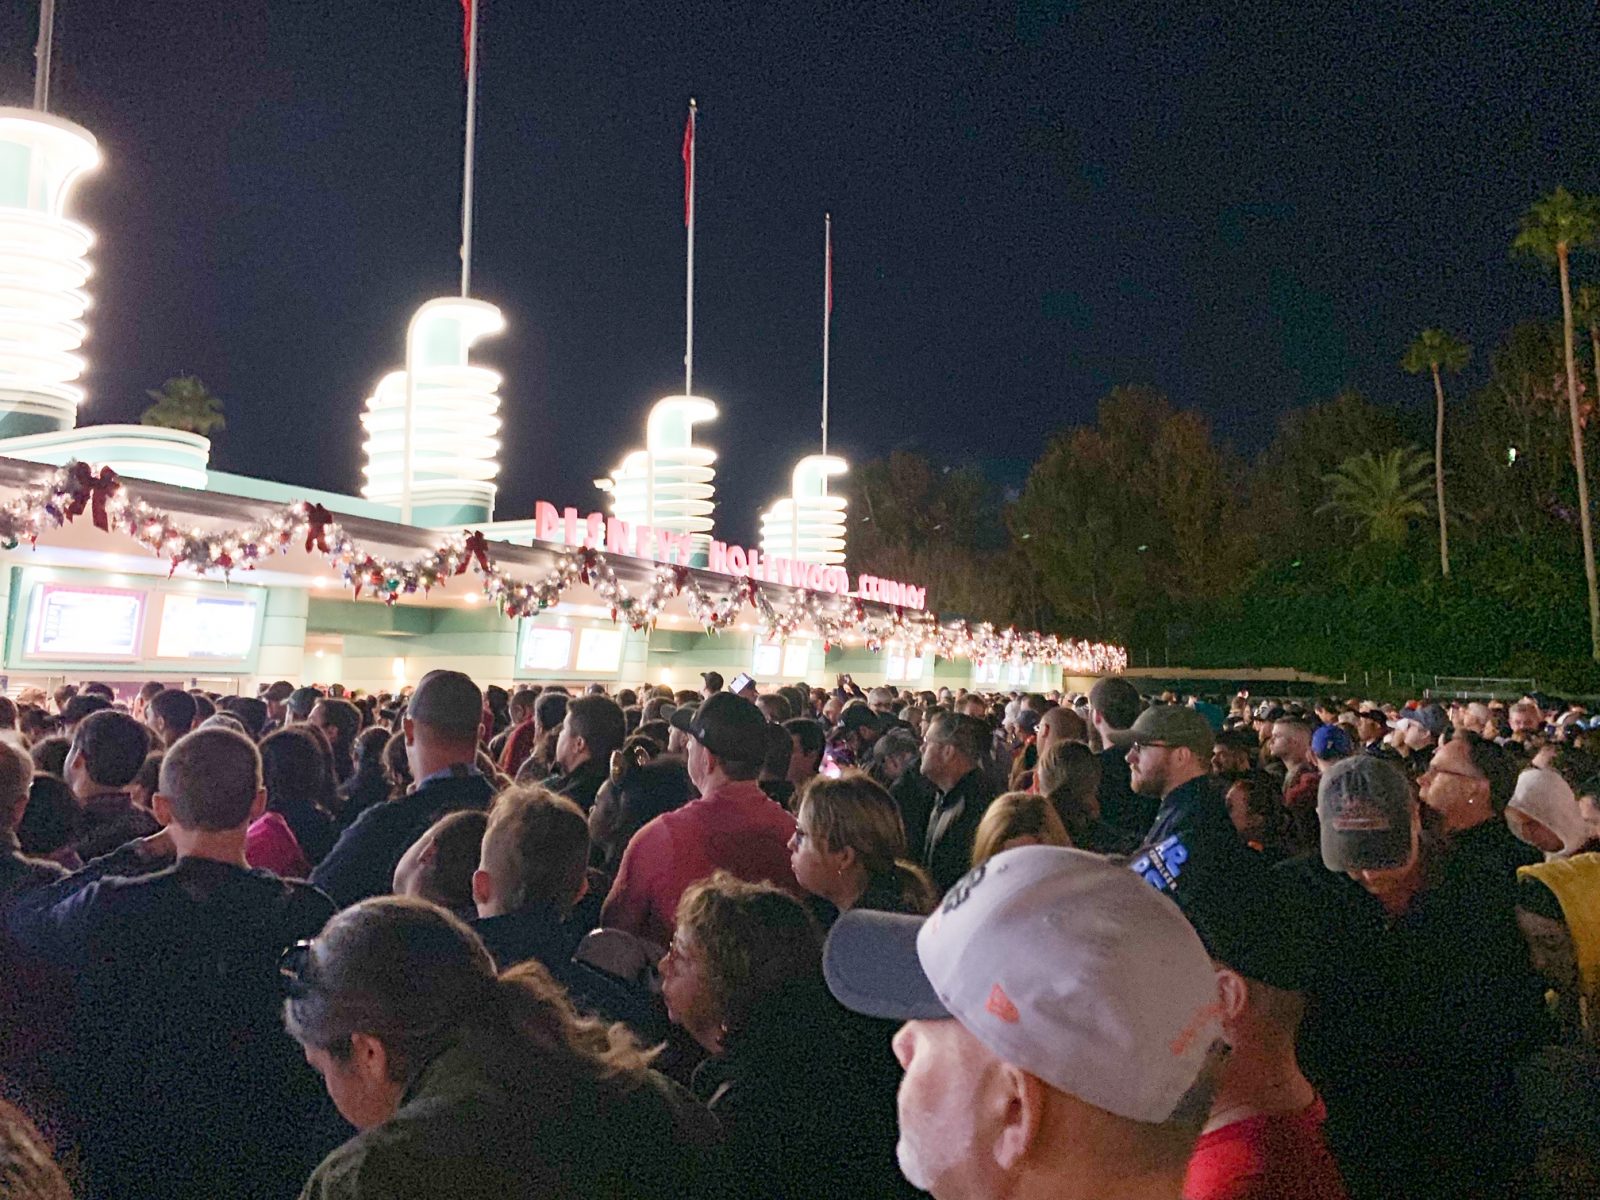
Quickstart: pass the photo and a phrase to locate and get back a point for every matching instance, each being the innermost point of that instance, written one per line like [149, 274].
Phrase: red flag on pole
[466, 36]
[688, 169]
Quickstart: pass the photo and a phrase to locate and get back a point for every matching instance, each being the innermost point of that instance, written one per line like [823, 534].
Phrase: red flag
[688, 169]
[466, 36]
[829, 257]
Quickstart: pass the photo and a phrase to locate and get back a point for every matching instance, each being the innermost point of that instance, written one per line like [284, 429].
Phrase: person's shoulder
[377, 1164]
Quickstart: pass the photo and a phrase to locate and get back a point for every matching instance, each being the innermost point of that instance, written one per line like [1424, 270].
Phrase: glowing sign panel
[67, 622]
[206, 627]
[546, 649]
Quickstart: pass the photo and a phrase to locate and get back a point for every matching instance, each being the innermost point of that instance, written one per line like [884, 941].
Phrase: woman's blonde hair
[1014, 815]
[856, 812]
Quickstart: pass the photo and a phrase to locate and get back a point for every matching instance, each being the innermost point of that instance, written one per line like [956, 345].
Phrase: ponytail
[917, 893]
[534, 1008]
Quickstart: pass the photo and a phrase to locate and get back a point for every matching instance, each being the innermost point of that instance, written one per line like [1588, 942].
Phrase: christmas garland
[70, 491]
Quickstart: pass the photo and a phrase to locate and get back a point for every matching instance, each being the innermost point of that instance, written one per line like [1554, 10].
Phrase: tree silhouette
[1433, 351]
[184, 403]
[1381, 494]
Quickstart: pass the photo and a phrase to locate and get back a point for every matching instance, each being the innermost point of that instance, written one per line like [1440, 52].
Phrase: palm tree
[184, 403]
[1551, 229]
[1381, 493]
[1434, 350]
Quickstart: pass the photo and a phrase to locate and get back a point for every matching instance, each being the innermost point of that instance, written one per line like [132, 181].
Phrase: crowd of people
[801, 942]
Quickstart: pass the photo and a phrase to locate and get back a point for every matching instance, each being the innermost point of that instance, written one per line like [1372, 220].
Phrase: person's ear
[1023, 1099]
[161, 809]
[482, 887]
[408, 729]
[259, 804]
[369, 1057]
[1233, 993]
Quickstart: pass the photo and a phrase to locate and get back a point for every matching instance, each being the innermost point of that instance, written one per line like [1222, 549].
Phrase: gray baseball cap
[1061, 962]
[1364, 807]
[448, 701]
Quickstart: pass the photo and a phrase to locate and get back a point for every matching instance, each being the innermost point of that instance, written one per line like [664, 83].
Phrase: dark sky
[1248, 205]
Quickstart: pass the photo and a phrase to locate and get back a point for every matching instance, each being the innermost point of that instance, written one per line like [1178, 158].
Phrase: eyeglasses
[294, 971]
[1141, 747]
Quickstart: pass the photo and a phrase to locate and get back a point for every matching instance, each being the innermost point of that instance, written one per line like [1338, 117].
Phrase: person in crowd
[370, 783]
[249, 711]
[1543, 812]
[143, 785]
[51, 821]
[1017, 819]
[1330, 743]
[81, 706]
[1069, 774]
[850, 743]
[340, 722]
[774, 777]
[466, 1083]
[170, 712]
[172, 943]
[300, 703]
[1192, 844]
[397, 762]
[299, 783]
[1060, 724]
[733, 826]
[1061, 1034]
[1255, 806]
[638, 791]
[1527, 726]
[18, 871]
[1421, 998]
[1292, 745]
[1372, 730]
[775, 708]
[941, 823]
[1234, 753]
[276, 698]
[713, 683]
[810, 741]
[519, 711]
[1419, 733]
[743, 977]
[1114, 704]
[441, 741]
[1466, 788]
[1263, 1139]
[593, 728]
[204, 708]
[439, 865]
[107, 750]
[849, 850]
[1558, 910]
[893, 754]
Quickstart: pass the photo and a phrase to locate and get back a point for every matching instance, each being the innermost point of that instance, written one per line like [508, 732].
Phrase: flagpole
[827, 322]
[688, 347]
[469, 158]
[42, 53]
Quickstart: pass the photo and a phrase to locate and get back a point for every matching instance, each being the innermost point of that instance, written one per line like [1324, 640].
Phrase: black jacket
[943, 842]
[181, 1081]
[581, 783]
[1120, 805]
[1414, 1024]
[362, 862]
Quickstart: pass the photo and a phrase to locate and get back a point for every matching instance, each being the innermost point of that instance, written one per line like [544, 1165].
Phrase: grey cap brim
[870, 962]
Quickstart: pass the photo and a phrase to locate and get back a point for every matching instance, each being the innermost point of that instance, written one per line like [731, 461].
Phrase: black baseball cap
[712, 680]
[727, 725]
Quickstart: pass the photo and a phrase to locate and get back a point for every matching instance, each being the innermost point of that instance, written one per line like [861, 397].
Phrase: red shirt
[734, 828]
[1281, 1156]
[271, 844]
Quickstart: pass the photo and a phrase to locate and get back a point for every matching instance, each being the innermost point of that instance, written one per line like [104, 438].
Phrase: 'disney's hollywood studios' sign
[600, 532]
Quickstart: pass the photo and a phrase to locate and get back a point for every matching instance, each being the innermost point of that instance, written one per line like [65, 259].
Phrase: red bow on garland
[92, 491]
[477, 547]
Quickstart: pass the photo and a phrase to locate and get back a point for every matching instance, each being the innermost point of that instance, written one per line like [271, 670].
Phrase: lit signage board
[546, 649]
[600, 651]
[768, 660]
[201, 626]
[74, 622]
[796, 659]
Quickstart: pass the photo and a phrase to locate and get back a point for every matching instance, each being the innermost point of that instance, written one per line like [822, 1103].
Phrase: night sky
[1247, 205]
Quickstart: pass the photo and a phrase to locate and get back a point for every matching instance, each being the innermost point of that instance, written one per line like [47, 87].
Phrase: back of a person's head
[8, 713]
[111, 745]
[210, 779]
[52, 816]
[810, 734]
[1497, 766]
[550, 709]
[411, 975]
[369, 747]
[16, 781]
[99, 688]
[780, 748]
[1069, 771]
[82, 706]
[443, 874]
[1116, 700]
[446, 705]
[175, 709]
[598, 720]
[250, 711]
[1017, 815]
[759, 943]
[536, 849]
[295, 767]
[648, 789]
[344, 716]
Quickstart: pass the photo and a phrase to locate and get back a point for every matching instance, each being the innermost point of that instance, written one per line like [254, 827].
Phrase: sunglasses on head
[294, 970]
[623, 761]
